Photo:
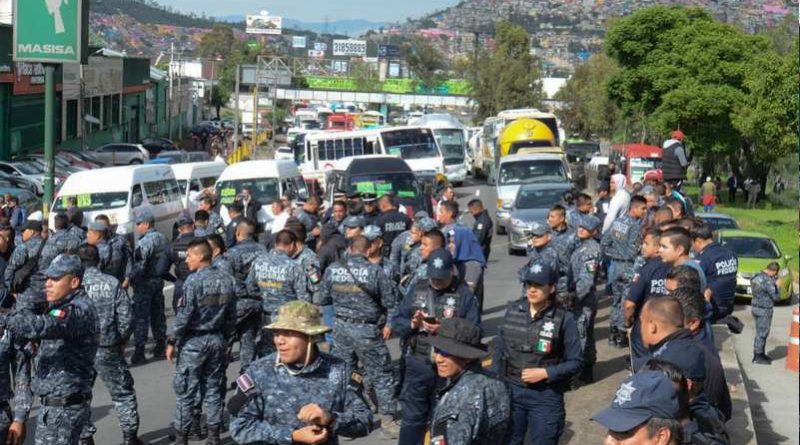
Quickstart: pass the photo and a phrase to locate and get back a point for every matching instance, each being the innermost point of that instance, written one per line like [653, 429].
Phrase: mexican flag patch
[58, 313]
[591, 266]
[544, 346]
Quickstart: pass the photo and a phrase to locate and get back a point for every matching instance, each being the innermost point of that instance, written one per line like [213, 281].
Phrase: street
[157, 402]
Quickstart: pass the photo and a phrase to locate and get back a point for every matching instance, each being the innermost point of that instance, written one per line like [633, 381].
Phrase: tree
[426, 62]
[365, 76]
[588, 111]
[219, 96]
[219, 42]
[508, 77]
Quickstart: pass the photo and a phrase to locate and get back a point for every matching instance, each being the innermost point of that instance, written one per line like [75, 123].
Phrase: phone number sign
[349, 47]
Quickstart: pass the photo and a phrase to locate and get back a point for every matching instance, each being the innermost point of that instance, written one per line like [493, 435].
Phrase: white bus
[417, 146]
[450, 134]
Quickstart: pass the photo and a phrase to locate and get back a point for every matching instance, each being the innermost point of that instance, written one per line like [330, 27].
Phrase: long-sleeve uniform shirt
[112, 306]
[276, 279]
[208, 306]
[358, 290]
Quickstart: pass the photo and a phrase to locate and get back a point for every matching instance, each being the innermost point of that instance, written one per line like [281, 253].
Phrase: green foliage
[508, 77]
[150, 12]
[588, 111]
[426, 62]
[218, 42]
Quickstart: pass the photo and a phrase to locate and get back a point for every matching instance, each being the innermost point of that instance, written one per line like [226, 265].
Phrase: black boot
[196, 428]
[622, 339]
[180, 439]
[160, 351]
[134, 440]
[213, 435]
[86, 441]
[138, 356]
[587, 374]
[612, 336]
[762, 359]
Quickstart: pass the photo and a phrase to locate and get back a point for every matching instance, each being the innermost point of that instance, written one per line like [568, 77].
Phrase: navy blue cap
[184, 220]
[143, 216]
[539, 273]
[539, 229]
[641, 397]
[97, 226]
[440, 264]
[589, 222]
[421, 214]
[354, 221]
[426, 224]
[63, 265]
[372, 232]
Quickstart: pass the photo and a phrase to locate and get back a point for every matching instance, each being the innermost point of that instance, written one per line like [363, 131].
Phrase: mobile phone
[431, 320]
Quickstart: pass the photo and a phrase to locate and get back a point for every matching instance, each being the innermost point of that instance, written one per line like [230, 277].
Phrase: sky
[316, 10]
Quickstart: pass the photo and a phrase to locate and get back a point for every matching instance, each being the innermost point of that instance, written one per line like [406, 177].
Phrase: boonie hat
[351, 222]
[299, 316]
[642, 396]
[63, 265]
[440, 264]
[459, 337]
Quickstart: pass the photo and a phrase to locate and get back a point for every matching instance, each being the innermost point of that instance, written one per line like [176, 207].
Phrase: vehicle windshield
[93, 201]
[752, 247]
[451, 142]
[403, 185]
[264, 190]
[29, 168]
[526, 172]
[721, 223]
[410, 143]
[538, 199]
[310, 125]
[174, 158]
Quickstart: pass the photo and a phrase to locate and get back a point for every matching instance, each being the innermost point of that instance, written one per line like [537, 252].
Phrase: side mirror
[787, 257]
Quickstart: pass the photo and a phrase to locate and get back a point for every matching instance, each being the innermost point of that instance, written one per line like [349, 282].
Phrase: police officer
[62, 241]
[205, 319]
[765, 294]
[75, 226]
[218, 250]
[319, 399]
[402, 245]
[248, 306]
[67, 346]
[431, 240]
[235, 212]
[391, 221]
[583, 266]
[483, 228]
[151, 261]
[621, 244]
[538, 352]
[363, 297]
[275, 278]
[201, 226]
[563, 241]
[473, 408]
[539, 249]
[178, 257]
[583, 206]
[370, 209]
[22, 273]
[15, 383]
[720, 266]
[649, 281]
[215, 223]
[114, 317]
[308, 216]
[411, 258]
[375, 250]
[334, 243]
[338, 213]
[419, 317]
[96, 233]
[121, 264]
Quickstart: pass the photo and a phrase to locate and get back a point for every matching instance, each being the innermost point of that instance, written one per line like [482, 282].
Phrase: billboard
[298, 42]
[316, 54]
[320, 46]
[385, 51]
[394, 70]
[50, 31]
[350, 47]
[263, 24]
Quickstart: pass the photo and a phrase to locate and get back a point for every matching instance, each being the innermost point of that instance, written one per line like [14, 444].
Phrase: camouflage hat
[353, 221]
[62, 265]
[301, 317]
[144, 216]
[97, 226]
[426, 224]
[372, 232]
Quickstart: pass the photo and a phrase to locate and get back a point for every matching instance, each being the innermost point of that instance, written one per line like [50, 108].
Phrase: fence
[247, 150]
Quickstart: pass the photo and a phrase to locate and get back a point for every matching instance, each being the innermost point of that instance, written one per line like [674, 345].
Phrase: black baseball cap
[639, 398]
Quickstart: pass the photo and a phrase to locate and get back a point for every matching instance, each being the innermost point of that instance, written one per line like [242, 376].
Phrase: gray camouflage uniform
[148, 289]
[584, 265]
[326, 381]
[18, 258]
[564, 243]
[362, 298]
[61, 241]
[275, 279]
[248, 307]
[215, 224]
[64, 365]
[621, 243]
[473, 409]
[121, 264]
[765, 295]
[114, 323]
[15, 382]
[206, 318]
[222, 263]
[309, 262]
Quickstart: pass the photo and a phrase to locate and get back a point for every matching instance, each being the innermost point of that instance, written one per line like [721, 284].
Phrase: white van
[193, 177]
[122, 193]
[267, 181]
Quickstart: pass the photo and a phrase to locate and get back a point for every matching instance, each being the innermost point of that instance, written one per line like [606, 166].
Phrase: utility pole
[274, 108]
[180, 97]
[49, 140]
[169, 98]
[236, 112]
[211, 90]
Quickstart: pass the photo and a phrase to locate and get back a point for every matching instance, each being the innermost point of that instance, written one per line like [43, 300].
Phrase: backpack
[22, 276]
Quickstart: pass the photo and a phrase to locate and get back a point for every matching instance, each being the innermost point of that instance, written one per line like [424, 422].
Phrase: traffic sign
[50, 31]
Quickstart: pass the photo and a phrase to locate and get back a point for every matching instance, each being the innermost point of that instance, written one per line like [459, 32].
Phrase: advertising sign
[350, 47]
[394, 70]
[263, 24]
[50, 31]
[385, 51]
[316, 54]
[298, 42]
[320, 46]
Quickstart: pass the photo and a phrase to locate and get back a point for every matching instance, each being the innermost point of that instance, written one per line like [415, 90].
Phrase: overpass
[327, 96]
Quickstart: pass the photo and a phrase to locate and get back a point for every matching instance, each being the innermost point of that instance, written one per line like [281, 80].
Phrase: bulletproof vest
[531, 344]
[441, 306]
[180, 247]
[670, 165]
[393, 224]
[245, 260]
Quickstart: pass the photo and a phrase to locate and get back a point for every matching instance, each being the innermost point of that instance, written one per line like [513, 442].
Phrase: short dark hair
[702, 231]
[285, 238]
[103, 217]
[655, 424]
[558, 208]
[60, 221]
[582, 199]
[281, 205]
[339, 203]
[678, 237]
[88, 255]
[475, 203]
[297, 227]
[437, 236]
[692, 303]
[774, 266]
[667, 310]
[248, 226]
[207, 200]
[201, 215]
[451, 207]
[359, 244]
[215, 240]
[76, 219]
[652, 231]
[638, 200]
[686, 276]
[203, 247]
[665, 211]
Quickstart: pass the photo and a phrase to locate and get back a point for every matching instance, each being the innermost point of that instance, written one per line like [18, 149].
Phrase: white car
[284, 152]
[121, 154]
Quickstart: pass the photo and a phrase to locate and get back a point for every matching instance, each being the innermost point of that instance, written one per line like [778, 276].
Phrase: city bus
[635, 159]
[450, 134]
[341, 122]
[417, 146]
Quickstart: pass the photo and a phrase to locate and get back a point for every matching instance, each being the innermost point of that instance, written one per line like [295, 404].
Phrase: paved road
[156, 399]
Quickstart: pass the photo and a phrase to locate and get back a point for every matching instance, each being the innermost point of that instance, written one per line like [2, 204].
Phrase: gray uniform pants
[763, 322]
[61, 425]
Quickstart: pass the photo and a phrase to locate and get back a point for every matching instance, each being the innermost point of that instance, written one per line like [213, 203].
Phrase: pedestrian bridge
[328, 96]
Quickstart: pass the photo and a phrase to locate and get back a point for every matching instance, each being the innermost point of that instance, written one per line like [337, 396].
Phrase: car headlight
[749, 290]
[519, 223]
[745, 275]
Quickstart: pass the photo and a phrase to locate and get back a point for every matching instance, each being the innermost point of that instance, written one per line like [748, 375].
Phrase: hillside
[150, 12]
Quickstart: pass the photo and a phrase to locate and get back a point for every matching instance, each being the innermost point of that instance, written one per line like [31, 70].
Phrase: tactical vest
[439, 306]
[531, 344]
[180, 247]
[670, 165]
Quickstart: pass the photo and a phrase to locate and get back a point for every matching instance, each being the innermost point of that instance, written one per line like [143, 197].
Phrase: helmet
[525, 132]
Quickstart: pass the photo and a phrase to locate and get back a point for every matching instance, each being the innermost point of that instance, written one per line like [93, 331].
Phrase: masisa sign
[50, 31]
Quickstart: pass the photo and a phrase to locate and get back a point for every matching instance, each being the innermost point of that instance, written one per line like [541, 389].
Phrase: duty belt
[355, 321]
[620, 260]
[72, 399]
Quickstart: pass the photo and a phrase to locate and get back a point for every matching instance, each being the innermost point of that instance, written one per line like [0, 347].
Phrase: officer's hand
[707, 294]
[126, 283]
[534, 375]
[387, 333]
[315, 232]
[416, 320]
[16, 433]
[312, 413]
[170, 352]
[311, 434]
[431, 328]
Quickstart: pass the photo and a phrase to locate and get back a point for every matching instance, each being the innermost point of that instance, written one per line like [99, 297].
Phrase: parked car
[121, 154]
[33, 172]
[284, 153]
[79, 160]
[718, 221]
[61, 162]
[156, 145]
[532, 203]
[27, 200]
[204, 129]
[21, 182]
[197, 156]
[173, 156]
[754, 251]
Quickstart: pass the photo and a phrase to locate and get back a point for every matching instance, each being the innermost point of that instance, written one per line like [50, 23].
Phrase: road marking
[477, 192]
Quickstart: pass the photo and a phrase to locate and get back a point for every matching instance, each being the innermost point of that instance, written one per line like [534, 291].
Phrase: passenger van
[267, 181]
[193, 177]
[122, 193]
[450, 134]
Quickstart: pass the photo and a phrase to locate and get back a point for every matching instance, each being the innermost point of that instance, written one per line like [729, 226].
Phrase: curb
[740, 427]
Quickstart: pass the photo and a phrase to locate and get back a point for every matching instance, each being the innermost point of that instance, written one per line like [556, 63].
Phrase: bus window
[339, 149]
[330, 153]
[358, 146]
[348, 147]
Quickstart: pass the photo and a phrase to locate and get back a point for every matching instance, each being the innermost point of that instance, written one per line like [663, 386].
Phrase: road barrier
[247, 150]
[792, 356]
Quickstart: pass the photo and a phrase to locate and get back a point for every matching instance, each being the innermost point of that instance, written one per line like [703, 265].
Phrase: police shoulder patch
[591, 266]
[58, 313]
[245, 383]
